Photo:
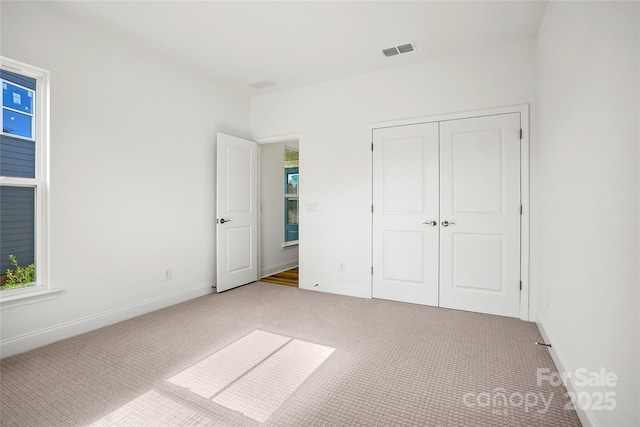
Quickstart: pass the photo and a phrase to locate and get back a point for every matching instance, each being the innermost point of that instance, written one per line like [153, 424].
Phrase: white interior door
[236, 212]
[480, 214]
[405, 213]
[446, 218]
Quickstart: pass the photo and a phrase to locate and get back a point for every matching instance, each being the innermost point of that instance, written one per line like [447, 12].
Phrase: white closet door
[405, 213]
[480, 214]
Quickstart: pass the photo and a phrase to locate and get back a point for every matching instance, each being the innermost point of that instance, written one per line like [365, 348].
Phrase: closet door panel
[405, 206]
[480, 213]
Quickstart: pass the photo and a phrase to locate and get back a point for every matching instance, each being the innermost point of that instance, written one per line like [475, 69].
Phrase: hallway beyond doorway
[288, 277]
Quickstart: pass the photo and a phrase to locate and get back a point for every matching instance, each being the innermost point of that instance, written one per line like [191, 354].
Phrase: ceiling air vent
[262, 84]
[403, 48]
[390, 51]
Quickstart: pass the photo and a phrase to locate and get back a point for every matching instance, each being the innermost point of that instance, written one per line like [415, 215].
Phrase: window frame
[41, 122]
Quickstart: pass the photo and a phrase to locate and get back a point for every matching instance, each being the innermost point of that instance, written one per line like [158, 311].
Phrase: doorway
[447, 213]
[279, 211]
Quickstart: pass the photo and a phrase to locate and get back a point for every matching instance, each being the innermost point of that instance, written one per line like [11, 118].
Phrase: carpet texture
[333, 360]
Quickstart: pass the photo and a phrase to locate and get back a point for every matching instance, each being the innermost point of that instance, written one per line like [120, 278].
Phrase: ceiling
[295, 43]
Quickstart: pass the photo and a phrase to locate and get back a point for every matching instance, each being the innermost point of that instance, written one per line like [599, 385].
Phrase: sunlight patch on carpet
[256, 374]
[259, 393]
[211, 375]
[152, 409]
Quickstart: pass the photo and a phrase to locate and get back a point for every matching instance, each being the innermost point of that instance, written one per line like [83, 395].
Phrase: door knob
[447, 223]
[431, 223]
[222, 221]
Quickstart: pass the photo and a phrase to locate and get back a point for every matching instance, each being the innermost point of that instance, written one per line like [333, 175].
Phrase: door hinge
[520, 284]
[372, 270]
[372, 146]
[371, 208]
[520, 209]
[520, 133]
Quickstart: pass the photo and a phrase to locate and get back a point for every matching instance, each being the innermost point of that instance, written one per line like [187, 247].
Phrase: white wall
[274, 258]
[133, 180]
[333, 118]
[589, 135]
[132, 175]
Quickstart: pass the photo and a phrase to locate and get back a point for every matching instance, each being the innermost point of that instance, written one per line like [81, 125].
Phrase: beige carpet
[288, 357]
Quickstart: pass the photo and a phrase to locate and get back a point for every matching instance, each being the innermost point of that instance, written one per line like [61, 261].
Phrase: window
[291, 195]
[17, 105]
[23, 179]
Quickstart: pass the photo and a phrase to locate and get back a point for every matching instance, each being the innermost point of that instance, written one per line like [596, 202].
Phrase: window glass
[291, 181]
[17, 107]
[18, 124]
[22, 241]
[17, 154]
[17, 98]
[291, 226]
[291, 177]
[17, 234]
[17, 157]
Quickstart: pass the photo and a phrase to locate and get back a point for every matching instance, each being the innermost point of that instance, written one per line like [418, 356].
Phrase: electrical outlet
[167, 274]
[341, 266]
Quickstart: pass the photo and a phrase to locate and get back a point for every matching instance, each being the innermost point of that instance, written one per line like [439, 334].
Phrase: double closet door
[447, 214]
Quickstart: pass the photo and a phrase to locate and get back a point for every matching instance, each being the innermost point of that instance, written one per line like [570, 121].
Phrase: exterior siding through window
[17, 204]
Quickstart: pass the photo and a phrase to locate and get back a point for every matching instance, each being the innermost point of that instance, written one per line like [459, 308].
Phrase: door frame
[523, 109]
[269, 140]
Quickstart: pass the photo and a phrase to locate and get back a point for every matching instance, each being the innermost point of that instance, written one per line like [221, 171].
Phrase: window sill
[290, 244]
[10, 301]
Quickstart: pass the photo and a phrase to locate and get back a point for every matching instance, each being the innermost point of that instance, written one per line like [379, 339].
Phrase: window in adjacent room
[23, 179]
[291, 175]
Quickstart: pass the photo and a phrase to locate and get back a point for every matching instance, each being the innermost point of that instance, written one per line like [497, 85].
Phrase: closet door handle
[447, 223]
[431, 223]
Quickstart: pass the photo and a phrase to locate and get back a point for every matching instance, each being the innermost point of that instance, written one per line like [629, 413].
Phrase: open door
[236, 212]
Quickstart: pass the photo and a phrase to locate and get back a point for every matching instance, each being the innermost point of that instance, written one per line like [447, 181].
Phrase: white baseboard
[278, 268]
[59, 332]
[585, 415]
[349, 291]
